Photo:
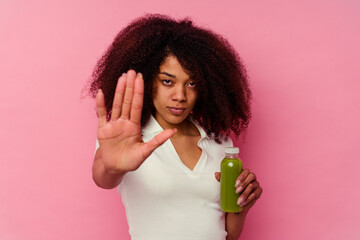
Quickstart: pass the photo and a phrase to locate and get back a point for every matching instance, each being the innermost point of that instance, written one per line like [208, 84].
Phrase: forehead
[172, 65]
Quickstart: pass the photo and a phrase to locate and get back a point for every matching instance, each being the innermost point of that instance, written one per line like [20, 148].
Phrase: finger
[247, 192]
[137, 101]
[159, 139]
[100, 108]
[253, 196]
[250, 178]
[118, 98]
[129, 91]
[218, 176]
[242, 177]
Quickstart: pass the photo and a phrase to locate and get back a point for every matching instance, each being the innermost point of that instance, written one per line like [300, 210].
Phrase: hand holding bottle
[249, 188]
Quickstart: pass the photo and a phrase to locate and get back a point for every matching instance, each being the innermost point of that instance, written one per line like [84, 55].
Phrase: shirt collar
[152, 126]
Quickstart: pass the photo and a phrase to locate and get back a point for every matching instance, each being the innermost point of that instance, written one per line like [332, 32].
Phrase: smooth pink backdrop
[303, 142]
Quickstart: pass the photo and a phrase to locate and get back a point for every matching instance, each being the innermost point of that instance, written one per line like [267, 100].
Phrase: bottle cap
[232, 150]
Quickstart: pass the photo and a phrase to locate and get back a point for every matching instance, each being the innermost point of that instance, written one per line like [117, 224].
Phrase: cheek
[159, 99]
[192, 97]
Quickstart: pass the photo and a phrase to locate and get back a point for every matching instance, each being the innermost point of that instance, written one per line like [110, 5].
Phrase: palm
[122, 147]
[121, 141]
[118, 129]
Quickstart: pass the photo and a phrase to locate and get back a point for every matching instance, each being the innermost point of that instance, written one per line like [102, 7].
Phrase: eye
[166, 82]
[191, 84]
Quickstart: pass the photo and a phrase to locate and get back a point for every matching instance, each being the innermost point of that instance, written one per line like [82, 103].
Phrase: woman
[168, 95]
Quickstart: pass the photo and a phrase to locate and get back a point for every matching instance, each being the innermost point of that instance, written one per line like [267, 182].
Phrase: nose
[179, 94]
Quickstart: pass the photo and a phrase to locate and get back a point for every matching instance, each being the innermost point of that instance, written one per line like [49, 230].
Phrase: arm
[234, 225]
[101, 176]
[250, 191]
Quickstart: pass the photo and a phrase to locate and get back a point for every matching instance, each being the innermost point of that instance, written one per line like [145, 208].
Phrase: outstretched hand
[122, 147]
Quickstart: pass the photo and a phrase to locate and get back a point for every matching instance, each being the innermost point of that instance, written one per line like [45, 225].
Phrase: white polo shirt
[165, 200]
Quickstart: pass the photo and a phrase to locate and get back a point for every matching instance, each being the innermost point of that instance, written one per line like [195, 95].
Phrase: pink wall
[303, 142]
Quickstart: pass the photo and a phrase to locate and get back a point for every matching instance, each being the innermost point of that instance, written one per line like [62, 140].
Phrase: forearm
[101, 176]
[234, 225]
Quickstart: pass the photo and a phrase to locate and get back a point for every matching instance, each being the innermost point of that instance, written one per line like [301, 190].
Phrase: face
[174, 94]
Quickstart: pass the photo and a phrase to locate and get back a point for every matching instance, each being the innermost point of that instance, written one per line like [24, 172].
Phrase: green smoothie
[231, 167]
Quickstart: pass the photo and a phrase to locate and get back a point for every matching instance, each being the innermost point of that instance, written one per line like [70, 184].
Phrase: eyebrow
[168, 74]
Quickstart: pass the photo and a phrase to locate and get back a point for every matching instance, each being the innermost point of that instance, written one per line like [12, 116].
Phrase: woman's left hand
[248, 187]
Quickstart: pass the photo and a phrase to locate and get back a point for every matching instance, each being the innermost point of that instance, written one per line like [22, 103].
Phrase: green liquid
[230, 171]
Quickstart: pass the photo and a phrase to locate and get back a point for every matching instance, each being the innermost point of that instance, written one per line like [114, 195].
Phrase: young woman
[168, 95]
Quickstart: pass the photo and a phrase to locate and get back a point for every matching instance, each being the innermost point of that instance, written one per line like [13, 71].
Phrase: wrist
[240, 214]
[114, 172]
[110, 167]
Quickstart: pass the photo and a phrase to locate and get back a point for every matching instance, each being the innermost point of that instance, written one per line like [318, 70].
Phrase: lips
[176, 111]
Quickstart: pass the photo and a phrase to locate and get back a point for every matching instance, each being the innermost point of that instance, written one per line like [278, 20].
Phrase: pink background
[303, 142]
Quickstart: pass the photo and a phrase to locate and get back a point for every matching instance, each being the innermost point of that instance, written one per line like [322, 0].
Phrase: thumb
[217, 176]
[159, 139]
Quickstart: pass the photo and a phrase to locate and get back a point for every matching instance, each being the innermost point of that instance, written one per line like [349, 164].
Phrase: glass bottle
[231, 167]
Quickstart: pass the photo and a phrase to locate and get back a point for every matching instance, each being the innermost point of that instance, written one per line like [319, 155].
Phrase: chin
[174, 119]
[170, 118]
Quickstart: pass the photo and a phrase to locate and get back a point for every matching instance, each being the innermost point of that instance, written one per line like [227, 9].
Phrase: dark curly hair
[223, 103]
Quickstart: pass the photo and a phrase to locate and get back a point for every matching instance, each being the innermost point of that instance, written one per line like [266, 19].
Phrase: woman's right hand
[121, 144]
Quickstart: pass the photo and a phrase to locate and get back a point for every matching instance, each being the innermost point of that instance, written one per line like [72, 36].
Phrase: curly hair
[224, 97]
